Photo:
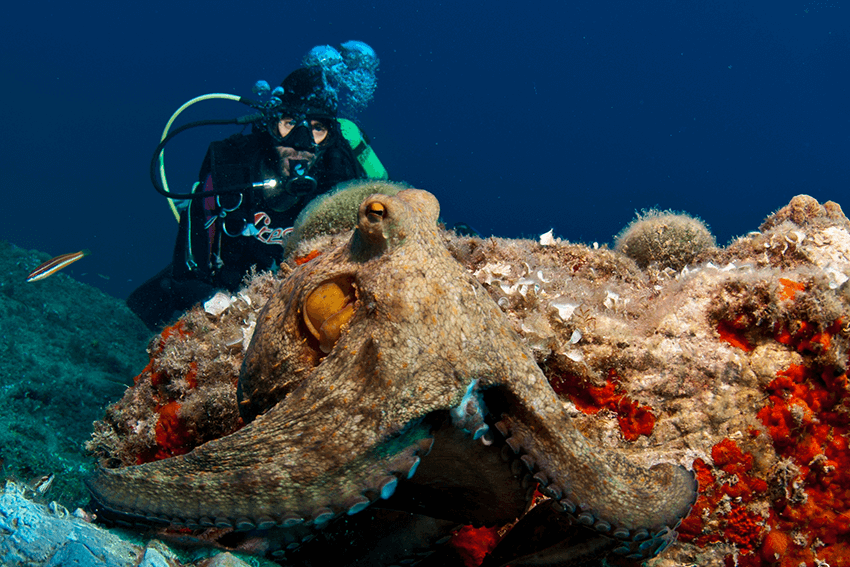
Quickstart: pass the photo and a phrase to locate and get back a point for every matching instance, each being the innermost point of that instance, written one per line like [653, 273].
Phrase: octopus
[384, 391]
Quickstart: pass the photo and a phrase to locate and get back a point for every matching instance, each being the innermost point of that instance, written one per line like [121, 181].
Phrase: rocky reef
[67, 350]
[734, 366]
[33, 534]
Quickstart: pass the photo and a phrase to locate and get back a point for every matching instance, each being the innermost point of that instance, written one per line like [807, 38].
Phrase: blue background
[520, 117]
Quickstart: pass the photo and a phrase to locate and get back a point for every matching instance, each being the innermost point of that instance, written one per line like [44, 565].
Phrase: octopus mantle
[382, 371]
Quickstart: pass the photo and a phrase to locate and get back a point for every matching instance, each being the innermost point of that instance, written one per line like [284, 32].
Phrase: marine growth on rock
[732, 366]
[664, 239]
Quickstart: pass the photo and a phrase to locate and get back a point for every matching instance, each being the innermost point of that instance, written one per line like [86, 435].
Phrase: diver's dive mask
[301, 131]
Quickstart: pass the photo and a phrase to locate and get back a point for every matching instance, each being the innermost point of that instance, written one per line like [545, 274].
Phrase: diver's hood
[306, 96]
[306, 92]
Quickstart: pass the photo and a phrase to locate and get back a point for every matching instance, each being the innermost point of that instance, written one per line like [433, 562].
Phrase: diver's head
[305, 118]
[301, 126]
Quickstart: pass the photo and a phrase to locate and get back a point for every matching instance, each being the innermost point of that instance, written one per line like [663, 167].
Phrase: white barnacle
[139, 426]
[669, 273]
[526, 283]
[43, 484]
[233, 339]
[547, 239]
[795, 237]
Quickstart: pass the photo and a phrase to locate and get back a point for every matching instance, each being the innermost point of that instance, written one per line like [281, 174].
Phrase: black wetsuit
[220, 239]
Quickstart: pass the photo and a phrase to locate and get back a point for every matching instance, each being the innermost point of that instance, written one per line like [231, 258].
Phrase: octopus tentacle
[464, 479]
[641, 508]
[547, 537]
[222, 483]
[350, 365]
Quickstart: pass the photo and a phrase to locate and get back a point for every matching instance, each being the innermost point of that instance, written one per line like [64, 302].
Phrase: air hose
[157, 169]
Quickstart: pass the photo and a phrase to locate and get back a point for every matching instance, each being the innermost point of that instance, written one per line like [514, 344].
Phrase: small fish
[54, 265]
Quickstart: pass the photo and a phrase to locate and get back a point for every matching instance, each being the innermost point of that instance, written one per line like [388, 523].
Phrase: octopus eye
[327, 311]
[376, 211]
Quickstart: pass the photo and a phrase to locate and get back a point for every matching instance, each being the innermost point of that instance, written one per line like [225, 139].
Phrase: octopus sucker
[138, 493]
[358, 391]
[631, 504]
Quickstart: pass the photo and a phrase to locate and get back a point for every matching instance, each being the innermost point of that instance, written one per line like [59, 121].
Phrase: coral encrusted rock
[733, 365]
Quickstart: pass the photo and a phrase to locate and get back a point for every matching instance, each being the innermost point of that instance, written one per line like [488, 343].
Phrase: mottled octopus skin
[333, 432]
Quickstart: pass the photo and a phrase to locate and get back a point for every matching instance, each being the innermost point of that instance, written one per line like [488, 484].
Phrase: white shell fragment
[565, 310]
[547, 239]
[574, 355]
[834, 258]
[836, 276]
[611, 299]
[247, 334]
[218, 304]
[493, 271]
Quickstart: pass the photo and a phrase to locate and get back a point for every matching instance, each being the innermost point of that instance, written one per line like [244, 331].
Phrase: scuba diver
[251, 187]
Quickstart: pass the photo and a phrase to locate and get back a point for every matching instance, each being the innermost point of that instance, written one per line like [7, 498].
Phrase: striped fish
[54, 265]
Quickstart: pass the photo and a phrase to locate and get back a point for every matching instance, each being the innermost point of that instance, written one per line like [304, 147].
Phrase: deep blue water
[519, 116]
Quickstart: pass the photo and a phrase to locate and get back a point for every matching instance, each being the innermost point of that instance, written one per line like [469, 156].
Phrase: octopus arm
[272, 472]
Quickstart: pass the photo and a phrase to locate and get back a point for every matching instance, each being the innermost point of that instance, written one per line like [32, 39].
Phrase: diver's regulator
[280, 196]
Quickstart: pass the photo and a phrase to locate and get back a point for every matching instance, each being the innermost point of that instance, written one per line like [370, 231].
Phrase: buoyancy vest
[236, 162]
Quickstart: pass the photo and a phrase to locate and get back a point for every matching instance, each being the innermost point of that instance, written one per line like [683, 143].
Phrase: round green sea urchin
[664, 239]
